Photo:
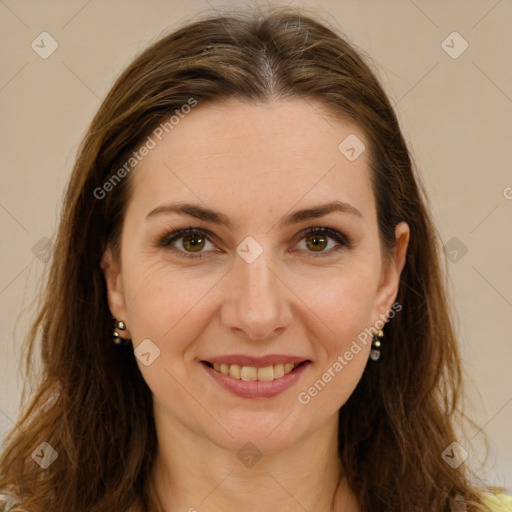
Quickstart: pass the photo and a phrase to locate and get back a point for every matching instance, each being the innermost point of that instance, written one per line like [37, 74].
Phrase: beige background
[456, 113]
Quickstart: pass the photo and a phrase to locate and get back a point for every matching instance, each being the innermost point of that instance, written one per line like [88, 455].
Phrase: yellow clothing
[499, 502]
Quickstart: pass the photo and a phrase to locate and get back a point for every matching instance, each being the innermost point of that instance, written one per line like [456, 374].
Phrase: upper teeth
[252, 373]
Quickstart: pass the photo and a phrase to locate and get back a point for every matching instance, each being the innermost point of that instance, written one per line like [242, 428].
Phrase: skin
[255, 164]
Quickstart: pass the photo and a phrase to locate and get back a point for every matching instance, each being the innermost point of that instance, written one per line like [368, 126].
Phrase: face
[257, 286]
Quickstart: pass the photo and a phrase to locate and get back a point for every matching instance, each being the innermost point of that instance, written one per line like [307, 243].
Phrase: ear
[390, 276]
[115, 291]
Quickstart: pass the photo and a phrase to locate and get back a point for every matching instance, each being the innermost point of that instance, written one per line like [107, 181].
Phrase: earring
[116, 336]
[375, 351]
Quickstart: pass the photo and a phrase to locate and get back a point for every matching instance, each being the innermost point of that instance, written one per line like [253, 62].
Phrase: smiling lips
[251, 373]
[249, 368]
[256, 377]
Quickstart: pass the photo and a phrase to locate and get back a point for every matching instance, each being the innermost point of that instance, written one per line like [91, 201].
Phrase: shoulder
[499, 502]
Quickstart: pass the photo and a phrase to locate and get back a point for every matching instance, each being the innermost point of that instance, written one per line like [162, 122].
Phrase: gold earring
[376, 345]
[116, 335]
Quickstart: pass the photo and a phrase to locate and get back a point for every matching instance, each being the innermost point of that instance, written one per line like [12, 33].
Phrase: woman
[246, 307]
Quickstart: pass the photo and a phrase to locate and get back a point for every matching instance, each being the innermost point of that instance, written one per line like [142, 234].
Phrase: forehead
[249, 155]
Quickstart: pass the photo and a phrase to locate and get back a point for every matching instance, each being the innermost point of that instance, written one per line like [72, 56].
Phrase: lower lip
[257, 388]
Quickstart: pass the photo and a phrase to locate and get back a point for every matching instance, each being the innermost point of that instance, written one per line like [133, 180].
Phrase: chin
[268, 432]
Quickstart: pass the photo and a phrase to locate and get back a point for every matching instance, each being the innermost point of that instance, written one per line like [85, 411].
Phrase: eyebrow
[209, 215]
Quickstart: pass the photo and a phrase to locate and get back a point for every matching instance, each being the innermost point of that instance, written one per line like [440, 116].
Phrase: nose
[259, 303]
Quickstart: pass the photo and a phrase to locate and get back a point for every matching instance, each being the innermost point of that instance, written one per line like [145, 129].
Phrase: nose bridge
[258, 278]
[260, 307]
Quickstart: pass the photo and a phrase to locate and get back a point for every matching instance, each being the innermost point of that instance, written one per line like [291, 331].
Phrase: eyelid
[176, 234]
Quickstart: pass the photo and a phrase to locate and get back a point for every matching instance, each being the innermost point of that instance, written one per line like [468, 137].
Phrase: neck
[192, 473]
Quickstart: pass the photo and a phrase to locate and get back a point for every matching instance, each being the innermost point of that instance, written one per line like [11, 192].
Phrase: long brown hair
[92, 404]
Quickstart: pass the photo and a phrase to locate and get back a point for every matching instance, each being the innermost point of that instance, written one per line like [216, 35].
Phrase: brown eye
[193, 242]
[316, 242]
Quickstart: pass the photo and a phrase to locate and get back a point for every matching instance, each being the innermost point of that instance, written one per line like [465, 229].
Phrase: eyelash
[176, 234]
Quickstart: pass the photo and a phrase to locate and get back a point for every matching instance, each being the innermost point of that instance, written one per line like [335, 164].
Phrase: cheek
[341, 351]
[165, 304]
[342, 305]
[342, 310]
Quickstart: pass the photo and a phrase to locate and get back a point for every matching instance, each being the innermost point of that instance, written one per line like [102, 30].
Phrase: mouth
[254, 373]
